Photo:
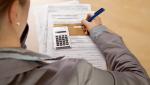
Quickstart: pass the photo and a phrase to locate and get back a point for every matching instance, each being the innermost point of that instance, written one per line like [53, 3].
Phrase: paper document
[45, 2]
[41, 14]
[68, 14]
[58, 15]
[82, 48]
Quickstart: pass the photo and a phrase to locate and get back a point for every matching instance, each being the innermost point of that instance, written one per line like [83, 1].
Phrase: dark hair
[5, 4]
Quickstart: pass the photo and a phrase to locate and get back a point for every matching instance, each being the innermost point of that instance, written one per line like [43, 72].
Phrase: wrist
[97, 30]
[93, 27]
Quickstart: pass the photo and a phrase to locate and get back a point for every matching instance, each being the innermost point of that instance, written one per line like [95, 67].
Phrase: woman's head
[13, 16]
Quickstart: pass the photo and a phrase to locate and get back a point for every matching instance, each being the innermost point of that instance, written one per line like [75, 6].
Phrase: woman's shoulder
[21, 54]
[12, 61]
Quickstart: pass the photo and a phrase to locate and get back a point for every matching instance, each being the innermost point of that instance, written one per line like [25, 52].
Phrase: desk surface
[128, 18]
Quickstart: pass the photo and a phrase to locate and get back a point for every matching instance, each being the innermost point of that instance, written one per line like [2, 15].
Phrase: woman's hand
[90, 25]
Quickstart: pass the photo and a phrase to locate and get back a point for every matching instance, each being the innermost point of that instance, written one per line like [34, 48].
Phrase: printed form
[64, 15]
[68, 14]
[82, 46]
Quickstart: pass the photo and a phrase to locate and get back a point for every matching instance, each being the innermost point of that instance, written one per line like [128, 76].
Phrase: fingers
[97, 21]
[85, 23]
[90, 25]
[86, 26]
[89, 15]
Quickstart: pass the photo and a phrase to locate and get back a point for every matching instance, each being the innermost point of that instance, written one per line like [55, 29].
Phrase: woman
[22, 67]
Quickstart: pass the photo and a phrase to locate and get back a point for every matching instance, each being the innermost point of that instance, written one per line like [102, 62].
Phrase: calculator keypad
[62, 40]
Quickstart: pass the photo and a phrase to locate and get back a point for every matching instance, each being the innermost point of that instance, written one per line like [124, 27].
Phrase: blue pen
[100, 11]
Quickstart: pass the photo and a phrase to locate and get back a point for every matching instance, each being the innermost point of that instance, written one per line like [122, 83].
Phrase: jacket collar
[22, 54]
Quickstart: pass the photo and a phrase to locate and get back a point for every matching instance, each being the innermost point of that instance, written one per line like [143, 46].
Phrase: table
[128, 18]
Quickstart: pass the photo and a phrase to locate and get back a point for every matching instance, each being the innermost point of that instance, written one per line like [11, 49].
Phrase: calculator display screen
[61, 32]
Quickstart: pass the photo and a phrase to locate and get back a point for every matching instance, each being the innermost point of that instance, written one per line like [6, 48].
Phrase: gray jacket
[22, 67]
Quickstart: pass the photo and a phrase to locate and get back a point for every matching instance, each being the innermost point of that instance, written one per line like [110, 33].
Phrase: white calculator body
[61, 38]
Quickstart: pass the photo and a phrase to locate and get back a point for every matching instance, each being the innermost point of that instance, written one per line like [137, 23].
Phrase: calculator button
[62, 41]
[67, 42]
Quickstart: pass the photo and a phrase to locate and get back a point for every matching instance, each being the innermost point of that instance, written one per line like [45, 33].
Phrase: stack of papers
[83, 47]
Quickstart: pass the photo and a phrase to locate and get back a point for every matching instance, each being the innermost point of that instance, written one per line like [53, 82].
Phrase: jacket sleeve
[121, 63]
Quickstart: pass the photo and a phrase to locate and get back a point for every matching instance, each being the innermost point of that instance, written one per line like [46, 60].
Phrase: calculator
[61, 38]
